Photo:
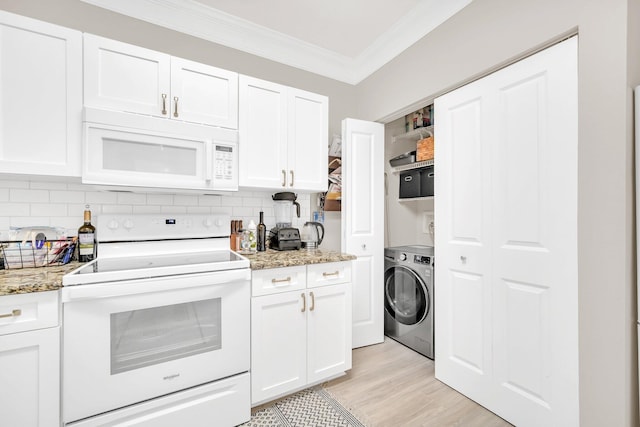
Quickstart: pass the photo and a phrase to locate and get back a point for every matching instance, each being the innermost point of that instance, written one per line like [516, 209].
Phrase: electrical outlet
[427, 222]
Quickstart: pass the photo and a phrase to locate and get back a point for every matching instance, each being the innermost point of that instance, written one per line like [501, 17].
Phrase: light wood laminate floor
[391, 385]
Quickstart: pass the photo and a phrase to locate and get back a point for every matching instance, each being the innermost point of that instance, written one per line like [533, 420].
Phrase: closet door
[362, 225]
[506, 276]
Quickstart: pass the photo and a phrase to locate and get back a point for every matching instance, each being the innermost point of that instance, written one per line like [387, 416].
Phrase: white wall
[61, 204]
[489, 34]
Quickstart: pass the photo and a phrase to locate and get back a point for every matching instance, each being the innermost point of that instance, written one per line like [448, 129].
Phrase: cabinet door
[30, 378]
[203, 94]
[263, 136]
[308, 138]
[328, 332]
[122, 77]
[278, 345]
[40, 97]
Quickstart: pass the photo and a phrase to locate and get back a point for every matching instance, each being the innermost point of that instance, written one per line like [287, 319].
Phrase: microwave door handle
[208, 152]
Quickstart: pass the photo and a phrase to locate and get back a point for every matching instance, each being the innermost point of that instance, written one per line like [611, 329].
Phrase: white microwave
[132, 150]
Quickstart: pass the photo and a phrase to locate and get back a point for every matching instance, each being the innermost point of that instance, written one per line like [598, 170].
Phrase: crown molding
[193, 18]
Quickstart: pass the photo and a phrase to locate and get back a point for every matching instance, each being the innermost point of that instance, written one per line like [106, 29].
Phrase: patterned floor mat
[313, 407]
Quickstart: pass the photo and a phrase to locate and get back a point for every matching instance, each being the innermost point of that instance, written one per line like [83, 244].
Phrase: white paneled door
[506, 208]
[362, 224]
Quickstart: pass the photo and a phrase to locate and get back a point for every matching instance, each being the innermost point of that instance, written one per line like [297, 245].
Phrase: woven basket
[425, 149]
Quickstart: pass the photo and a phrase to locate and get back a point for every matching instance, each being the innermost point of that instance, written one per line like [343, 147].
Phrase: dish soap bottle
[252, 236]
[86, 238]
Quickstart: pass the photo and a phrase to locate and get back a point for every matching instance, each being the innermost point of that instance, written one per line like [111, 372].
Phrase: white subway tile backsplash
[209, 200]
[159, 199]
[48, 209]
[146, 209]
[29, 203]
[46, 185]
[131, 198]
[240, 211]
[255, 201]
[230, 201]
[174, 209]
[198, 210]
[103, 197]
[185, 200]
[28, 221]
[26, 195]
[67, 196]
[15, 209]
[117, 209]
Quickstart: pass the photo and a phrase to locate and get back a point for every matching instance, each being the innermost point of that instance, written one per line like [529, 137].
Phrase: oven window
[155, 335]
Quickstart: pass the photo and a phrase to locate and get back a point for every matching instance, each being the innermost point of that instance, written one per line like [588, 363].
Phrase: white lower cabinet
[300, 329]
[29, 360]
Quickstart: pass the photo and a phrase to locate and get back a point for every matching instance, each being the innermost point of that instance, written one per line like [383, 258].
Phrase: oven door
[129, 341]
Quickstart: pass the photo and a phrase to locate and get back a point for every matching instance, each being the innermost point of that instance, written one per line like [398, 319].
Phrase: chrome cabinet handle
[335, 273]
[288, 279]
[291, 185]
[304, 302]
[175, 110]
[14, 313]
[164, 104]
[284, 178]
[313, 301]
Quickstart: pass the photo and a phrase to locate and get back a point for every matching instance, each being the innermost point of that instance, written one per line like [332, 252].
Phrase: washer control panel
[421, 259]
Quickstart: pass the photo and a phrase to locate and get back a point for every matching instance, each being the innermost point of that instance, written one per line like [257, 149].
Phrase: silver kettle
[311, 234]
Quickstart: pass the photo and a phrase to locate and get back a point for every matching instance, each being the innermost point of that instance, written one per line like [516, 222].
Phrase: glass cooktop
[125, 268]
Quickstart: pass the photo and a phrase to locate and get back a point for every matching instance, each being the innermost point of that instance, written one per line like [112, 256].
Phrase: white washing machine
[408, 296]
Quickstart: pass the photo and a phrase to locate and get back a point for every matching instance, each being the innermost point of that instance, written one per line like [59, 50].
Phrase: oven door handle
[152, 285]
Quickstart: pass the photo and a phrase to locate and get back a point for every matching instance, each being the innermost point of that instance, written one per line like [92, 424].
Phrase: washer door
[406, 296]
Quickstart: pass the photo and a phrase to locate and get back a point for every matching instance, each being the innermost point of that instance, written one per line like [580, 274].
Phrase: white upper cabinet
[40, 97]
[122, 77]
[283, 137]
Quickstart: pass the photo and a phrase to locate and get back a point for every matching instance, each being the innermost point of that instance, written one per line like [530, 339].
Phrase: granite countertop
[274, 259]
[27, 280]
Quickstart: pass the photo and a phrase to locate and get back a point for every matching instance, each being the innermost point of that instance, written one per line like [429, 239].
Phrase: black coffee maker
[283, 237]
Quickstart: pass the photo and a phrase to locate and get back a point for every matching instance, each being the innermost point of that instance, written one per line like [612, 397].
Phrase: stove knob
[218, 222]
[112, 225]
[128, 224]
[207, 222]
[403, 257]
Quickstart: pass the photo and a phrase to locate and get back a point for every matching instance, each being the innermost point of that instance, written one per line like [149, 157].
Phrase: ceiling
[343, 40]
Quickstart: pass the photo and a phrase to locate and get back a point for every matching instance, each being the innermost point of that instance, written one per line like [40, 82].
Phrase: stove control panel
[123, 227]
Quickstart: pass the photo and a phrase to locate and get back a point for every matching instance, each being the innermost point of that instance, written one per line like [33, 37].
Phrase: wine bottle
[86, 238]
[262, 234]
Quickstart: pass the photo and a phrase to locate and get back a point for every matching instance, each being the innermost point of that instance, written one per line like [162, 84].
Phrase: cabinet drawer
[330, 273]
[275, 280]
[26, 312]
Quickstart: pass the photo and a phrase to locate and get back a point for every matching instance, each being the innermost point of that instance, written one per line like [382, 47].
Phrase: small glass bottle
[262, 234]
[86, 238]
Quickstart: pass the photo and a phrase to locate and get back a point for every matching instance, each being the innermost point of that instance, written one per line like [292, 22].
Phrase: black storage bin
[427, 175]
[410, 184]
